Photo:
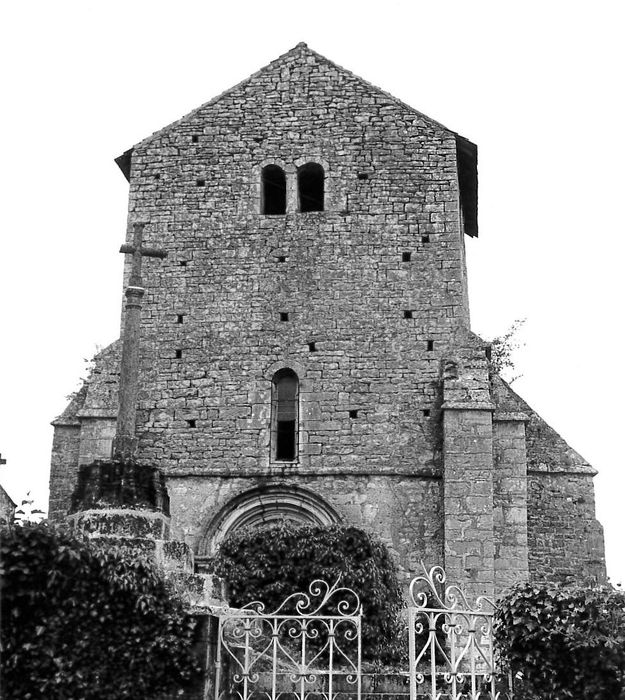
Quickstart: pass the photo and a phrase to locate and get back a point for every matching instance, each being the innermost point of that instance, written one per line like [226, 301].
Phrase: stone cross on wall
[125, 443]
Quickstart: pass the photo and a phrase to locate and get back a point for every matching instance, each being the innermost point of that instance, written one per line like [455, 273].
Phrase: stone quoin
[305, 350]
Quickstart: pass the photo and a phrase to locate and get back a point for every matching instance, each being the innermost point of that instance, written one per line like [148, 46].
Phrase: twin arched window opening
[310, 189]
[284, 415]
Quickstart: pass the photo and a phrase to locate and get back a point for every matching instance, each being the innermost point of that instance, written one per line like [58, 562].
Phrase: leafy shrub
[87, 622]
[272, 563]
[567, 642]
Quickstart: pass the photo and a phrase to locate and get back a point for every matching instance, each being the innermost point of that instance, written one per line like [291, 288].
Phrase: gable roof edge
[124, 160]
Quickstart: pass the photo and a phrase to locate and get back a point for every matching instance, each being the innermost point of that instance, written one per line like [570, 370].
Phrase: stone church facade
[305, 348]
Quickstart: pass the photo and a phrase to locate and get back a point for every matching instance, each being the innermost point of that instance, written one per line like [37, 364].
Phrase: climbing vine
[563, 642]
[271, 563]
[87, 622]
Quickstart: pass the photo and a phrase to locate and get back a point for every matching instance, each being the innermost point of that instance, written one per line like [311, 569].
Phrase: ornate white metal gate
[451, 643]
[309, 646]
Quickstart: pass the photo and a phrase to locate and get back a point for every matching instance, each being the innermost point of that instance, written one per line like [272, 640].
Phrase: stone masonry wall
[63, 469]
[212, 337]
[374, 289]
[565, 539]
[510, 500]
[404, 511]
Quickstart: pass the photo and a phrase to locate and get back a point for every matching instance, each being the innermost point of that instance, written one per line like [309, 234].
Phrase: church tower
[305, 349]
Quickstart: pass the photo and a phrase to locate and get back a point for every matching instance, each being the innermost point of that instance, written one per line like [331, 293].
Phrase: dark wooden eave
[124, 162]
[466, 157]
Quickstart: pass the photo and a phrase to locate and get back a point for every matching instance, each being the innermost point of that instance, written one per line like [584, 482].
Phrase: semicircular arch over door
[266, 506]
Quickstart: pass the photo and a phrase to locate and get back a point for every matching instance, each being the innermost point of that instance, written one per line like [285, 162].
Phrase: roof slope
[547, 451]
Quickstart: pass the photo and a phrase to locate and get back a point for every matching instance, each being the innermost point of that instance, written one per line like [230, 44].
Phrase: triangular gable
[465, 150]
[547, 451]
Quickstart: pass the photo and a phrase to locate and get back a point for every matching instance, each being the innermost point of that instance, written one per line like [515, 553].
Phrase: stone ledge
[502, 416]
[246, 473]
[468, 406]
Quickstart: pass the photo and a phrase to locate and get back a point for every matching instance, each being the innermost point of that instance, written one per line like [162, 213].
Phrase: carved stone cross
[125, 443]
[138, 252]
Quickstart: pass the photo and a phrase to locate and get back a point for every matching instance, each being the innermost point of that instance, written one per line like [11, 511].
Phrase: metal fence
[310, 646]
[451, 653]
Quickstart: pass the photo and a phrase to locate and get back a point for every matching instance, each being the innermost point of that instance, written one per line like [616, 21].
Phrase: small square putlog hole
[180, 318]
[312, 347]
[363, 176]
[281, 258]
[200, 183]
[284, 316]
[430, 345]
[405, 257]
[192, 423]
[195, 138]
[426, 412]
[178, 354]
[183, 263]
[425, 239]
[353, 413]
[407, 313]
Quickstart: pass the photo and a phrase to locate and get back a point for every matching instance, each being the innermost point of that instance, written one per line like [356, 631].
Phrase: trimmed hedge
[269, 564]
[566, 642]
[88, 622]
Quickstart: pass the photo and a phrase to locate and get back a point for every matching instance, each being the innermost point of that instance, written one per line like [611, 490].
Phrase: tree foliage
[87, 622]
[502, 350]
[272, 563]
[564, 642]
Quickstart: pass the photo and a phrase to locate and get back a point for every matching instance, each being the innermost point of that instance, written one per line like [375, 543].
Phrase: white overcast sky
[537, 85]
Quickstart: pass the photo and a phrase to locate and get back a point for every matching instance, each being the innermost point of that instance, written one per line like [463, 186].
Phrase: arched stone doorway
[264, 506]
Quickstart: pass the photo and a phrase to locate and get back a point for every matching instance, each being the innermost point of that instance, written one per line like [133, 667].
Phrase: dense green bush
[270, 564]
[87, 622]
[564, 642]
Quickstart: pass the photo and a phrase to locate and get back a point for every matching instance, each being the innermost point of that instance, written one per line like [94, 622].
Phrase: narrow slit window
[310, 187]
[285, 415]
[273, 190]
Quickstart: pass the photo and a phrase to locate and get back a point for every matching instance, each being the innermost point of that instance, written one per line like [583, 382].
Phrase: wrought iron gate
[309, 646]
[451, 654]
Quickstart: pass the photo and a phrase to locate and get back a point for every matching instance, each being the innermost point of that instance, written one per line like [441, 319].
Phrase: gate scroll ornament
[309, 646]
[450, 641]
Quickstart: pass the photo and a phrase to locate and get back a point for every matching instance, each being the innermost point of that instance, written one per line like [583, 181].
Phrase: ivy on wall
[269, 564]
[87, 622]
[563, 642]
